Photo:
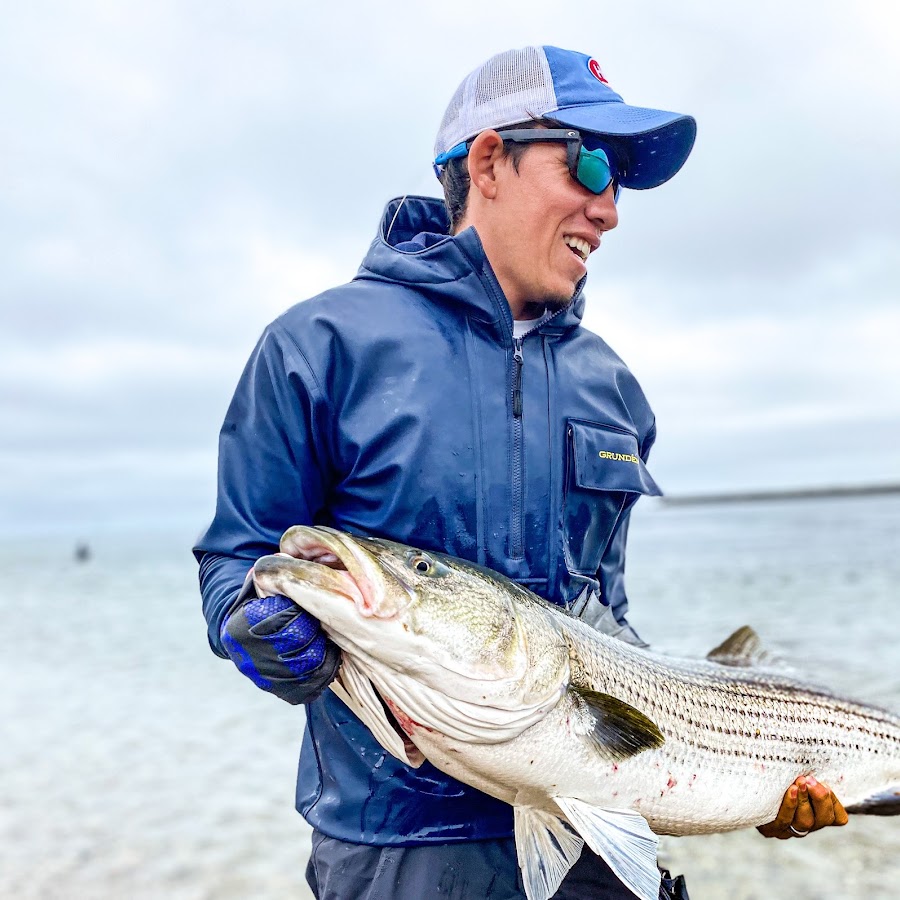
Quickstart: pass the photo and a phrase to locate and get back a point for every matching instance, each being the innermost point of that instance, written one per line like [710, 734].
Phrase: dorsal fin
[741, 649]
[616, 729]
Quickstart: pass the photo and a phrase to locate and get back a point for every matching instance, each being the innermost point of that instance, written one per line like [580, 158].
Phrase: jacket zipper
[519, 359]
[517, 548]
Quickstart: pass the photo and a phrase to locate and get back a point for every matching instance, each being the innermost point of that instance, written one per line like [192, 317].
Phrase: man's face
[541, 227]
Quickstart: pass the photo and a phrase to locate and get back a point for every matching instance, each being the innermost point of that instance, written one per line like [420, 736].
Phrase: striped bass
[589, 739]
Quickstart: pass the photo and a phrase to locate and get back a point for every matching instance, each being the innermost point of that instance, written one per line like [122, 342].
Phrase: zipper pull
[517, 378]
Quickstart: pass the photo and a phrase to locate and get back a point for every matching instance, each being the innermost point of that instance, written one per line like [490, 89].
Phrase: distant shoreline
[864, 490]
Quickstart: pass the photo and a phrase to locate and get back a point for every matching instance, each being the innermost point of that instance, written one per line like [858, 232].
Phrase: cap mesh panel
[509, 88]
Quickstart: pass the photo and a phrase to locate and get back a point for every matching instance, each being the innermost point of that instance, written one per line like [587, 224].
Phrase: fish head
[422, 612]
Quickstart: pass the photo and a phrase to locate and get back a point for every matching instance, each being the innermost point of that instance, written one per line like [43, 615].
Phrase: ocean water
[135, 764]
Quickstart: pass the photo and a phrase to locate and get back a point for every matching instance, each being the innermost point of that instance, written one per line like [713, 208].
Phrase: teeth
[581, 247]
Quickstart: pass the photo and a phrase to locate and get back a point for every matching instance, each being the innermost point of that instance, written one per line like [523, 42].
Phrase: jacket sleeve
[611, 573]
[273, 470]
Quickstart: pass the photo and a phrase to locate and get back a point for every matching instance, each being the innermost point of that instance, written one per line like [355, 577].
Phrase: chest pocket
[605, 476]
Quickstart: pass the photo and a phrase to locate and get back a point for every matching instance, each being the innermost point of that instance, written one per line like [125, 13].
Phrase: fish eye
[422, 564]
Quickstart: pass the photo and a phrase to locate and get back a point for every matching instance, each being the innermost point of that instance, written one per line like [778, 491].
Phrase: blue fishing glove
[280, 648]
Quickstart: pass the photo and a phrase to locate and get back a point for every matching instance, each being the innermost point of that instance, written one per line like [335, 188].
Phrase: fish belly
[678, 789]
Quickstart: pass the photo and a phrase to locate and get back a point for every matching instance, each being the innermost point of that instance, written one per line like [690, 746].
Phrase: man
[448, 398]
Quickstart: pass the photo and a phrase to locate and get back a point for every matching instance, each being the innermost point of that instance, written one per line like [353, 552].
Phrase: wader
[474, 870]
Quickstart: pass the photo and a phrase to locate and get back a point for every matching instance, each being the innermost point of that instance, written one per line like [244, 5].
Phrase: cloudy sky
[174, 174]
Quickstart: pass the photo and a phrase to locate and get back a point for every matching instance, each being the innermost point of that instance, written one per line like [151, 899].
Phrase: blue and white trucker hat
[568, 87]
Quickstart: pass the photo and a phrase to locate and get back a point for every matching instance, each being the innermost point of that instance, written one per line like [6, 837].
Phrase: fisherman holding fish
[448, 398]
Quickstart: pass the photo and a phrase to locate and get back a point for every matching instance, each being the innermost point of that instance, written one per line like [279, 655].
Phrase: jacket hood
[452, 269]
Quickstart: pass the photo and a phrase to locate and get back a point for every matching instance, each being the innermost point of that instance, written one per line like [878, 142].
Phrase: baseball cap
[570, 88]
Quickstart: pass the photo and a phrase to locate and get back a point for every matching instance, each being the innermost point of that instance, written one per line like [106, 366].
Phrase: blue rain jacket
[400, 405]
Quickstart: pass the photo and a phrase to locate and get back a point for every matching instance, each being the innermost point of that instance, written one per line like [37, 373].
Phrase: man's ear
[484, 155]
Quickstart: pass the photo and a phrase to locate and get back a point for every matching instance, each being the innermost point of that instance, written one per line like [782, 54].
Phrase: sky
[173, 175]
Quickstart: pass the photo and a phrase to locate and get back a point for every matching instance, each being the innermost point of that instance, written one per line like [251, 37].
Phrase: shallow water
[136, 764]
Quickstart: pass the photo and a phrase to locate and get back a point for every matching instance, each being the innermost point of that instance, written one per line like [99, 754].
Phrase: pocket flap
[606, 459]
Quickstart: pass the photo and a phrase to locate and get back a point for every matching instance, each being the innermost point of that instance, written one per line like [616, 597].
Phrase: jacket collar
[451, 270]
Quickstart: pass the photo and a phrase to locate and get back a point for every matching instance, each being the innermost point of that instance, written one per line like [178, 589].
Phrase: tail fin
[887, 803]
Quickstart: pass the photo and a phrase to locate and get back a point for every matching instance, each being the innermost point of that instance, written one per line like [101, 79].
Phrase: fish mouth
[342, 565]
[335, 562]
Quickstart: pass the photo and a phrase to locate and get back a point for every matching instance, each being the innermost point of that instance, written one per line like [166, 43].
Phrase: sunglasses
[590, 168]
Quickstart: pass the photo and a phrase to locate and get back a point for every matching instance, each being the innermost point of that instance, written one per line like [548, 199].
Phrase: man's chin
[535, 309]
[555, 302]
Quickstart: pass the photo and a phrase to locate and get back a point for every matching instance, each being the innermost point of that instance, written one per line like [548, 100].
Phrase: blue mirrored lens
[594, 170]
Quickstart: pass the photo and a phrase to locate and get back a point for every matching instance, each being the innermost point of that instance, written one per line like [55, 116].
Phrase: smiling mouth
[580, 247]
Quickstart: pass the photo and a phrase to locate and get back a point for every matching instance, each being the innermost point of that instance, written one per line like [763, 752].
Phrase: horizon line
[813, 493]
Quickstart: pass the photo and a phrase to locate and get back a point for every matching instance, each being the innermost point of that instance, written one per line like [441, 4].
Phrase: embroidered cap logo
[594, 69]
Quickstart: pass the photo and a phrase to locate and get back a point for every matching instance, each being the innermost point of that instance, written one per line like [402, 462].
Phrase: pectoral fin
[616, 729]
[624, 840]
[355, 689]
[546, 848]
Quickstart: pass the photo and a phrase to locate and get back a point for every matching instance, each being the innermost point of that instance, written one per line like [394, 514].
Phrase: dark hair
[455, 175]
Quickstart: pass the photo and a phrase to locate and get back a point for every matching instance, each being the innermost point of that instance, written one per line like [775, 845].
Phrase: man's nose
[601, 209]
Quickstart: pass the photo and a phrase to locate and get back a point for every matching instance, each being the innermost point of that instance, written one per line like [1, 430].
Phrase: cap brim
[653, 144]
